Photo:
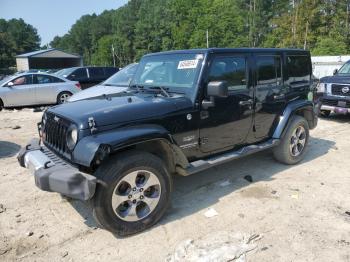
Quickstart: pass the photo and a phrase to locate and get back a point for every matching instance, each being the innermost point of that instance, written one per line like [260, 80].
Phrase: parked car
[186, 111]
[335, 91]
[118, 82]
[35, 89]
[87, 76]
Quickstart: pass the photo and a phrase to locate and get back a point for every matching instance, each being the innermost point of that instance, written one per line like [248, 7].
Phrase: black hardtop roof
[232, 50]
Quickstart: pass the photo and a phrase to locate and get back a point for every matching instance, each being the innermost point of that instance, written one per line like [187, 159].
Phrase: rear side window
[299, 68]
[42, 79]
[96, 72]
[269, 71]
[56, 80]
[79, 73]
[110, 71]
[230, 69]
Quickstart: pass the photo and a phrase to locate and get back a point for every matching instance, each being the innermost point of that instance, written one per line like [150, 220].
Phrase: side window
[55, 80]
[43, 79]
[79, 73]
[96, 72]
[298, 68]
[268, 71]
[22, 80]
[230, 69]
[110, 71]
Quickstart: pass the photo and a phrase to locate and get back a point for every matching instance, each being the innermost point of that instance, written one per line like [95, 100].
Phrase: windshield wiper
[162, 89]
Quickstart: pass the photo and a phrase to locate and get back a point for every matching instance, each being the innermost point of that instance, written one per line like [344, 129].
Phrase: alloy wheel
[136, 195]
[297, 141]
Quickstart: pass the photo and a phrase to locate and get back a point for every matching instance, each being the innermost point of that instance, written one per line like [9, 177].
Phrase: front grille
[331, 102]
[56, 134]
[338, 90]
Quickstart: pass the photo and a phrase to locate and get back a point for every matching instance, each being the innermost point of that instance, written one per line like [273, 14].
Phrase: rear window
[269, 71]
[79, 73]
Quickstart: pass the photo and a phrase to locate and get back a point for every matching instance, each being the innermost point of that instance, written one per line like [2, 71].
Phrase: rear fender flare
[305, 106]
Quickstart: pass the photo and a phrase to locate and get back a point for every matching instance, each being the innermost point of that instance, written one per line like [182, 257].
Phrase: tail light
[78, 85]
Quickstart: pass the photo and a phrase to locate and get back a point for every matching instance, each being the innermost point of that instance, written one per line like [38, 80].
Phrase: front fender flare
[87, 147]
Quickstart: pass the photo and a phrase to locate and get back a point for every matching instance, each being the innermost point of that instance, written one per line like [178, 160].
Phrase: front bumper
[337, 104]
[53, 174]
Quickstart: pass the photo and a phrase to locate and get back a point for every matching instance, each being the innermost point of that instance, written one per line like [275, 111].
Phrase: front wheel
[291, 150]
[134, 193]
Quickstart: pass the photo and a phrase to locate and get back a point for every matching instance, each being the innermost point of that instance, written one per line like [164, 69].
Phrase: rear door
[270, 93]
[228, 123]
[22, 93]
[46, 88]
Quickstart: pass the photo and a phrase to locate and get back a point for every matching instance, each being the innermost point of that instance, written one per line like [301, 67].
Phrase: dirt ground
[295, 213]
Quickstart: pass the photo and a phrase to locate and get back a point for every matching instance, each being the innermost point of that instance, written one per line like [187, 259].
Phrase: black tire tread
[281, 152]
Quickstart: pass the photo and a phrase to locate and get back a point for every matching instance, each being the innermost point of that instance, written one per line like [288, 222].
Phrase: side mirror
[335, 72]
[10, 84]
[217, 89]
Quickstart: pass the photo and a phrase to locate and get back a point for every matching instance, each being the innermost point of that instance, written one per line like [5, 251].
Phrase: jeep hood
[121, 108]
[337, 79]
[96, 91]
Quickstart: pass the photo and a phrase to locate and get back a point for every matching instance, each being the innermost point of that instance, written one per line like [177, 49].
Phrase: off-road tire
[111, 173]
[325, 113]
[282, 152]
[59, 97]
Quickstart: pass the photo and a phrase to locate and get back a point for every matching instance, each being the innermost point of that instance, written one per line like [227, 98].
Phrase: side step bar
[200, 165]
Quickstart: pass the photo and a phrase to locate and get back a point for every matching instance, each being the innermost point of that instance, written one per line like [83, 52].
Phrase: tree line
[143, 26]
[16, 37]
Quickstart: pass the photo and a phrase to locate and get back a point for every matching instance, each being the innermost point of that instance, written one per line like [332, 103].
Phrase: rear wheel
[1, 105]
[291, 150]
[63, 97]
[134, 193]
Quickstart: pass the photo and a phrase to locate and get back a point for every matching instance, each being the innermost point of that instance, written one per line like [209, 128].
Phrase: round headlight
[72, 137]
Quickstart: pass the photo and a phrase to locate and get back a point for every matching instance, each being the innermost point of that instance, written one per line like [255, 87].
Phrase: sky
[54, 17]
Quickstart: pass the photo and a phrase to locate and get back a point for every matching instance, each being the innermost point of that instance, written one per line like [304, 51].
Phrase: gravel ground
[291, 213]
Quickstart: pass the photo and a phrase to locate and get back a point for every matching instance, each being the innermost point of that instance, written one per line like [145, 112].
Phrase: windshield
[345, 69]
[3, 81]
[123, 77]
[174, 72]
[65, 72]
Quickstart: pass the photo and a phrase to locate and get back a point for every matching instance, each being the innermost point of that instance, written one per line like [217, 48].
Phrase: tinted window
[230, 69]
[268, 71]
[22, 80]
[298, 68]
[79, 73]
[110, 71]
[96, 72]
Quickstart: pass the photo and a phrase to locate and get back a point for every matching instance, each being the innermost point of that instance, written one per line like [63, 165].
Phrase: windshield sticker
[188, 64]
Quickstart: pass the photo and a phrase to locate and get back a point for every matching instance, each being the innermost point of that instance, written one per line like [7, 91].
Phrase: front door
[228, 122]
[270, 94]
[22, 92]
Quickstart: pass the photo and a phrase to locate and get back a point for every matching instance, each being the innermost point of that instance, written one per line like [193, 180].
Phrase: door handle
[246, 102]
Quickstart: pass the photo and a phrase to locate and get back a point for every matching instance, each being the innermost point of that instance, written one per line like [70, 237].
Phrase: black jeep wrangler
[334, 91]
[185, 111]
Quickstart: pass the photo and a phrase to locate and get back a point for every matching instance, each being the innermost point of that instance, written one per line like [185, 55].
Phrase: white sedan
[31, 89]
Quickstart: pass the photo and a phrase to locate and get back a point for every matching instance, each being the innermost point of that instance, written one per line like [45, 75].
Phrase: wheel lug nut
[134, 189]
[141, 189]
[134, 201]
[129, 196]
[141, 197]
